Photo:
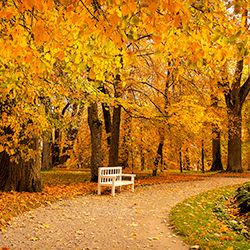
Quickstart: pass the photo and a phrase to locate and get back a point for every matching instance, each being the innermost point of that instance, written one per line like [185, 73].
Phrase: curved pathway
[138, 220]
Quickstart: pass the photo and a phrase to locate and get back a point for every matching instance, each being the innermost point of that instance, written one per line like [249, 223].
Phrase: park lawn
[205, 220]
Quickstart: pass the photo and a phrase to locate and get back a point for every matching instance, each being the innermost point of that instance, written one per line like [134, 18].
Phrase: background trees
[153, 64]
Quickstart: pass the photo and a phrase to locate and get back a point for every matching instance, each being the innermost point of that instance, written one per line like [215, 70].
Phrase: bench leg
[133, 187]
[99, 189]
[113, 188]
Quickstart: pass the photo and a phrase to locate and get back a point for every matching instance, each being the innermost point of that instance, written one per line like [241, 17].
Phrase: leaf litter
[106, 222]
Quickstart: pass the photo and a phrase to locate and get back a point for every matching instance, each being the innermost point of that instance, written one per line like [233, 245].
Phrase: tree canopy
[158, 59]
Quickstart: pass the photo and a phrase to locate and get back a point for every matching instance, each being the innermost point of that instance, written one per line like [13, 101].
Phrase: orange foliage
[65, 50]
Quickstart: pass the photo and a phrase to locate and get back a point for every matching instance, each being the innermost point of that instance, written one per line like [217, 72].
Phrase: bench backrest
[109, 171]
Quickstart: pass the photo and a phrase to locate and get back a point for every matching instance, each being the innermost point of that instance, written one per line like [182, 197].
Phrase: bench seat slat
[117, 183]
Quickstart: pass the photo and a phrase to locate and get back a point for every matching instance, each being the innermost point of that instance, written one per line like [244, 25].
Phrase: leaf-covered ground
[138, 220]
[66, 184]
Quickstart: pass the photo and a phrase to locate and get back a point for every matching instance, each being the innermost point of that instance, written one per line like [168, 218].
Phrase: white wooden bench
[112, 176]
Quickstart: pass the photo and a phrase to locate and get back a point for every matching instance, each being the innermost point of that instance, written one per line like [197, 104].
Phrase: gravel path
[138, 220]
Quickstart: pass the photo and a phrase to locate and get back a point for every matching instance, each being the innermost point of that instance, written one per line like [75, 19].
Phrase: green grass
[56, 177]
[197, 223]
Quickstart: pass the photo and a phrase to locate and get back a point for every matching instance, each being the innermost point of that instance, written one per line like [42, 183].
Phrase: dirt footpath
[138, 220]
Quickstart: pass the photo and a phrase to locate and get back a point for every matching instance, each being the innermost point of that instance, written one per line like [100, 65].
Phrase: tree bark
[47, 161]
[186, 162]
[20, 174]
[216, 149]
[159, 158]
[56, 148]
[202, 157]
[216, 146]
[115, 137]
[47, 155]
[95, 126]
[234, 144]
[142, 160]
[126, 141]
[56, 154]
[235, 98]
[180, 161]
[107, 118]
[124, 157]
[115, 129]
[107, 122]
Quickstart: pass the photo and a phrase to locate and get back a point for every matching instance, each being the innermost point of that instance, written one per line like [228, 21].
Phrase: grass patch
[197, 222]
[53, 178]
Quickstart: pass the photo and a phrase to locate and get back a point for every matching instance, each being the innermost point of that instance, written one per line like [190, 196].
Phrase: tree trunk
[235, 98]
[107, 122]
[216, 149]
[202, 157]
[180, 161]
[20, 174]
[142, 160]
[56, 152]
[186, 163]
[115, 137]
[115, 130]
[56, 148]
[124, 157]
[107, 118]
[159, 158]
[126, 141]
[95, 126]
[234, 144]
[47, 155]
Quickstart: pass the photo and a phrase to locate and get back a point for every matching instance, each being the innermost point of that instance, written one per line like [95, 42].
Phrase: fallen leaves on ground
[61, 185]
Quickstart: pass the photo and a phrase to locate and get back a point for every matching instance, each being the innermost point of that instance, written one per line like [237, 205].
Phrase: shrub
[242, 198]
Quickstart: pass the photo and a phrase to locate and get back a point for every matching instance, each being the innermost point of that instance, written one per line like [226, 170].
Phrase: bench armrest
[131, 175]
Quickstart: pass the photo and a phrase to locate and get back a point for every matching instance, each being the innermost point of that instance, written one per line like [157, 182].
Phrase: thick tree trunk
[216, 149]
[235, 98]
[115, 129]
[159, 158]
[234, 144]
[20, 174]
[115, 137]
[47, 155]
[95, 126]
